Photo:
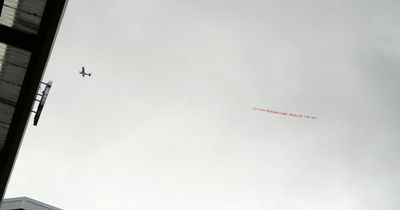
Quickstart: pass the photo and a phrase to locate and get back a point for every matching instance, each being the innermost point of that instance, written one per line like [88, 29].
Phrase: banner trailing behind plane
[285, 113]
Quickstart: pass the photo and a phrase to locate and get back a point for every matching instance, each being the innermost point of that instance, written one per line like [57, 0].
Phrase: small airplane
[84, 73]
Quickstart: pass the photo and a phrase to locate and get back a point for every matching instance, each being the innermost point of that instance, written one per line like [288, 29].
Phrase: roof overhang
[26, 203]
[27, 32]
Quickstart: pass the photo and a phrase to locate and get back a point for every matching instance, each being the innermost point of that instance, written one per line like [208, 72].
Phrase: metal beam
[42, 46]
[16, 38]
[7, 102]
[1, 6]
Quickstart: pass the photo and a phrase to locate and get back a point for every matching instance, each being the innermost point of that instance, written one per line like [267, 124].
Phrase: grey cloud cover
[166, 120]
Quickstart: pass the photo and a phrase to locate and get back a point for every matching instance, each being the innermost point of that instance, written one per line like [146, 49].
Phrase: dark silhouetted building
[27, 32]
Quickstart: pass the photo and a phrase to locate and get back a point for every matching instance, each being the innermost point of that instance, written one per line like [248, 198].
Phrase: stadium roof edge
[39, 46]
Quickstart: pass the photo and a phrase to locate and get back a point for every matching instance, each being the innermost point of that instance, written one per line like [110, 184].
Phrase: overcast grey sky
[166, 120]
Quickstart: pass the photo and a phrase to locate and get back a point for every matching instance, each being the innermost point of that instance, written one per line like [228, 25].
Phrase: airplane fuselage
[84, 74]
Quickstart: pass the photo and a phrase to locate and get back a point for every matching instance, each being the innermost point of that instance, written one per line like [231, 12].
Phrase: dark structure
[25, 203]
[27, 32]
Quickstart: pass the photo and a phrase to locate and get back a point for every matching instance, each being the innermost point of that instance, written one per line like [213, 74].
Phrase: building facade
[25, 203]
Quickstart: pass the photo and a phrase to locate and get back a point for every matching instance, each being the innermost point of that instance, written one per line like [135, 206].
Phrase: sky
[166, 122]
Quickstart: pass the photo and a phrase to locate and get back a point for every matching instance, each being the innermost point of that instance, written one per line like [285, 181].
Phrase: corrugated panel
[26, 204]
[15, 56]
[6, 114]
[23, 15]
[3, 135]
[5, 120]
[12, 73]
[10, 204]
[37, 206]
[13, 64]
[8, 13]
[9, 92]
